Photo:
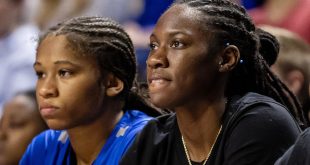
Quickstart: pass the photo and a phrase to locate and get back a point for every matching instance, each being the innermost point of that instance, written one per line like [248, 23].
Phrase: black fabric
[256, 131]
[197, 163]
[299, 153]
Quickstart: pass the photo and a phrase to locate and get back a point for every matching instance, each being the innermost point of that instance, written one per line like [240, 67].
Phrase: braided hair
[229, 24]
[106, 41]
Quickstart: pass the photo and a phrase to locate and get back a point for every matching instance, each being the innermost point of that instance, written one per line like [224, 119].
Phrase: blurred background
[23, 20]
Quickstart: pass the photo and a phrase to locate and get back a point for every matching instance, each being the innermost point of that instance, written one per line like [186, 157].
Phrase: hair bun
[269, 46]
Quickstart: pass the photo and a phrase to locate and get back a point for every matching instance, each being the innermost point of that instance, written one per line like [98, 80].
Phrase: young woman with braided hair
[205, 65]
[86, 69]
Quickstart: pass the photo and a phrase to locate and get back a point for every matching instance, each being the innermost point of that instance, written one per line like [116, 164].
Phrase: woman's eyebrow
[59, 62]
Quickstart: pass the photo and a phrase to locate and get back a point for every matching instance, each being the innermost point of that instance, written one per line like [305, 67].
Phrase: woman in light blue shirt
[86, 69]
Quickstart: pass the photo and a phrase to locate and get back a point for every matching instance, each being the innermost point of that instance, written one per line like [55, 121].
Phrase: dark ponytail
[269, 50]
[269, 46]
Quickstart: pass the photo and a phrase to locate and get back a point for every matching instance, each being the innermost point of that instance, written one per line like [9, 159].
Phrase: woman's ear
[113, 85]
[229, 58]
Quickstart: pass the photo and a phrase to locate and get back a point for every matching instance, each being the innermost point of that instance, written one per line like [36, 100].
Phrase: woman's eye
[40, 74]
[153, 46]
[64, 73]
[176, 44]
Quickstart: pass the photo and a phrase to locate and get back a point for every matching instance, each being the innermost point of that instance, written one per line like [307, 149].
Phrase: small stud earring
[221, 65]
[221, 62]
[227, 44]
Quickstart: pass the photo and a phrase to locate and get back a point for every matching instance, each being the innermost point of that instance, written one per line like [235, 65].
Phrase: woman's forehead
[180, 16]
[183, 11]
[181, 19]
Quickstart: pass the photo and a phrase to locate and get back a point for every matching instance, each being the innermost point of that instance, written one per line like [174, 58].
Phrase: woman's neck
[88, 140]
[199, 126]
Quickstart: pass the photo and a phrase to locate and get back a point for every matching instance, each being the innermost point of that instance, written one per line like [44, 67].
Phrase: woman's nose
[157, 59]
[47, 88]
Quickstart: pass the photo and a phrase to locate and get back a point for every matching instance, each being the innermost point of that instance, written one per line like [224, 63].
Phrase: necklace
[205, 161]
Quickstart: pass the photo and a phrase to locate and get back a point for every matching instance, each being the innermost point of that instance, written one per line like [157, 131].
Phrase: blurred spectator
[17, 50]
[50, 12]
[288, 14]
[137, 16]
[119, 10]
[293, 64]
[44, 11]
[20, 122]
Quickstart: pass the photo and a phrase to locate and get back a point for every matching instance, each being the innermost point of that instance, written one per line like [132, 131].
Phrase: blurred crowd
[22, 21]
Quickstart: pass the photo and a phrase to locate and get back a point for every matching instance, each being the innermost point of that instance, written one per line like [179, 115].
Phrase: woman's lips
[48, 110]
[158, 83]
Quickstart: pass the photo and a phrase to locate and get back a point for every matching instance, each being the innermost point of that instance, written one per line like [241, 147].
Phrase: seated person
[87, 94]
[21, 121]
[293, 64]
[230, 109]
